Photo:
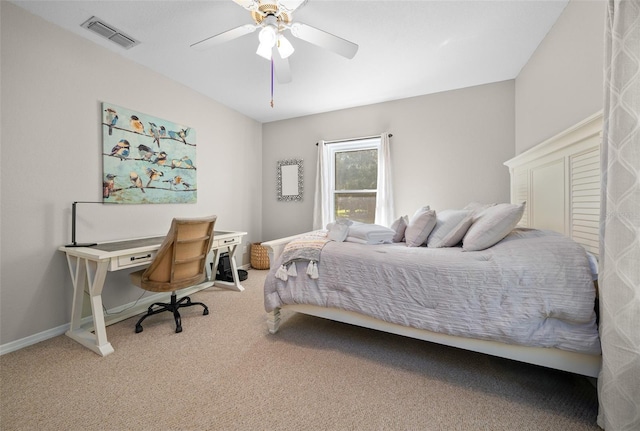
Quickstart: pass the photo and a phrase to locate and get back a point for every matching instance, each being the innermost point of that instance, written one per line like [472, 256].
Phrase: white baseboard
[112, 315]
[33, 339]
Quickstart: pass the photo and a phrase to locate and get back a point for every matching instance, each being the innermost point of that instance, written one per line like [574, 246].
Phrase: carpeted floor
[226, 372]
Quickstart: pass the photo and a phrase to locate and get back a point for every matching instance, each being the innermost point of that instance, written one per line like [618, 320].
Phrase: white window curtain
[321, 214]
[619, 278]
[384, 197]
[384, 200]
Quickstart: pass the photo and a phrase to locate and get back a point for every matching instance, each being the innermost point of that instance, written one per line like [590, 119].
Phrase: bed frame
[560, 180]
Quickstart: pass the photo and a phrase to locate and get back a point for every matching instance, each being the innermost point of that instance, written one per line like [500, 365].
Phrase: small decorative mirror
[290, 180]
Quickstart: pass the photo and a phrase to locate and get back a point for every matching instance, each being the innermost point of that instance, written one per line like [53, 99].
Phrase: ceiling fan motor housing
[270, 9]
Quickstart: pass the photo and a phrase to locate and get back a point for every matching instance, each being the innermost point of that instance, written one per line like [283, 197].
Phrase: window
[353, 175]
[353, 180]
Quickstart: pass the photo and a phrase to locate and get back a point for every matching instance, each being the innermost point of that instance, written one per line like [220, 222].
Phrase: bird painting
[121, 149]
[160, 159]
[112, 119]
[136, 124]
[179, 136]
[155, 132]
[146, 153]
[153, 175]
[136, 181]
[187, 162]
[108, 185]
[173, 181]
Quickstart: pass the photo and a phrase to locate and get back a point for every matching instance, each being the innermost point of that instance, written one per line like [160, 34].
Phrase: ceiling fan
[273, 18]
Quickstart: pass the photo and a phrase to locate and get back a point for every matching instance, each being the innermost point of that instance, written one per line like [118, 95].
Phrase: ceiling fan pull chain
[272, 81]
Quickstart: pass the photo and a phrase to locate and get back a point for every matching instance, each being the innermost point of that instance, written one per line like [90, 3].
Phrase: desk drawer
[218, 243]
[133, 260]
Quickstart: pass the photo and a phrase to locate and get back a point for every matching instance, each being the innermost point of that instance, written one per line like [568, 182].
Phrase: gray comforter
[533, 288]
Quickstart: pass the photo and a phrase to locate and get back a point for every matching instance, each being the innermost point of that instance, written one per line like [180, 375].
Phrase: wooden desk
[89, 266]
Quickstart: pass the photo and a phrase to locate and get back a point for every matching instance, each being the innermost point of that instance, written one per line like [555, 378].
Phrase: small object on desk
[73, 225]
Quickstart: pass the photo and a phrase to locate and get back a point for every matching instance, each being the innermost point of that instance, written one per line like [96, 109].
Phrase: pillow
[337, 231]
[492, 225]
[399, 226]
[477, 207]
[419, 227]
[451, 226]
[370, 233]
[420, 210]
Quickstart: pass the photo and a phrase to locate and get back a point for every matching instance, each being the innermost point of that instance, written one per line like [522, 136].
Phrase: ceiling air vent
[109, 32]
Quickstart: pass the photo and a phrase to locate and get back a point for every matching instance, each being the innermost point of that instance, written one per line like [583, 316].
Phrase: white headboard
[560, 181]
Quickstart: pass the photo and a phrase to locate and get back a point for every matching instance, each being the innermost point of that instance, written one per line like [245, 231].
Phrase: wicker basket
[259, 256]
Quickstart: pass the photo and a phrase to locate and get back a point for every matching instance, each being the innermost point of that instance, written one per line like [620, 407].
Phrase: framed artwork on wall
[289, 180]
[146, 159]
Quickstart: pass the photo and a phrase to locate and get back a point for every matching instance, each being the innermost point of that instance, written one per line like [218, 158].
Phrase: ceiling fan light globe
[284, 47]
[264, 51]
[268, 36]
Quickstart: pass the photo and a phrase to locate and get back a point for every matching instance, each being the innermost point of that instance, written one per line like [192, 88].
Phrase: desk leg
[235, 285]
[81, 275]
[234, 267]
[212, 269]
[78, 273]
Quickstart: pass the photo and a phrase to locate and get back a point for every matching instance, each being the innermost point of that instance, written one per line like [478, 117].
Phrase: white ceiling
[407, 48]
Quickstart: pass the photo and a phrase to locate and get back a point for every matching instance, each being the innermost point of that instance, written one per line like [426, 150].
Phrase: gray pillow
[420, 226]
[451, 226]
[400, 226]
[492, 225]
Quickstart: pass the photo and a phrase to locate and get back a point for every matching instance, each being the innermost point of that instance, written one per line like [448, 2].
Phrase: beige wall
[53, 83]
[447, 149]
[562, 83]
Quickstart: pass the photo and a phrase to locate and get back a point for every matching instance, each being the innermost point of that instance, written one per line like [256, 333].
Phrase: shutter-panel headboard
[585, 199]
[560, 181]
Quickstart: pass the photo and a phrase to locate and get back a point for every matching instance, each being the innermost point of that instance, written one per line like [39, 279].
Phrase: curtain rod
[350, 139]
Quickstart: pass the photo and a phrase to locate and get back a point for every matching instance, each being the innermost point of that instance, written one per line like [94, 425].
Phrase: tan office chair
[180, 263]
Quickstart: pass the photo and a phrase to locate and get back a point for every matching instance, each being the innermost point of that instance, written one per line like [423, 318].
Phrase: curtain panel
[619, 280]
[321, 213]
[384, 201]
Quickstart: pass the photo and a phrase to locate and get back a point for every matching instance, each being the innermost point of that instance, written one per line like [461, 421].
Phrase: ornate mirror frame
[289, 180]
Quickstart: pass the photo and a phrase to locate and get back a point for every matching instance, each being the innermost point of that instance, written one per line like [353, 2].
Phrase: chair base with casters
[173, 307]
[179, 263]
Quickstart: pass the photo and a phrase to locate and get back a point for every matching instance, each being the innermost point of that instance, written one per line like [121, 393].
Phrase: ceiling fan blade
[291, 5]
[248, 4]
[324, 40]
[223, 37]
[281, 67]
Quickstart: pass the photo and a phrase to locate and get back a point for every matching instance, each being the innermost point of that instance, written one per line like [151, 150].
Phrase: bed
[529, 297]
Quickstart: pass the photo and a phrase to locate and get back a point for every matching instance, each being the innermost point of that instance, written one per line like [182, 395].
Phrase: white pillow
[421, 210]
[337, 231]
[420, 226]
[451, 226]
[477, 208]
[492, 225]
[399, 226]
